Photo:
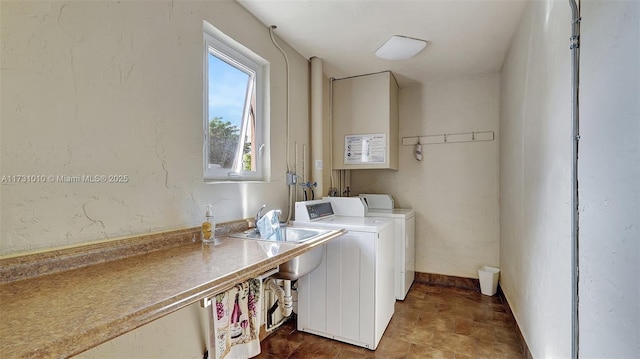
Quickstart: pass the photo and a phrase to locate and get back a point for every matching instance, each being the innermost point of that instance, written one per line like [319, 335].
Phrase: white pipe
[332, 183]
[295, 170]
[575, 128]
[305, 168]
[275, 288]
[295, 157]
[287, 299]
[284, 296]
[286, 63]
[317, 164]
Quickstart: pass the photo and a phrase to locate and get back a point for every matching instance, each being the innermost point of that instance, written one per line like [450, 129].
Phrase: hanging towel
[234, 322]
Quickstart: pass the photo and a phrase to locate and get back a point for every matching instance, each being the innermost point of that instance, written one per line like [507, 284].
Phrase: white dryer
[350, 296]
[381, 205]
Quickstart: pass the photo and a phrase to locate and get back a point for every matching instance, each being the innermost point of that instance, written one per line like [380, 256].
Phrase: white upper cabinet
[365, 122]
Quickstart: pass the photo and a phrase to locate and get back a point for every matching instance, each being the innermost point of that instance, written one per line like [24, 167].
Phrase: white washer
[381, 205]
[350, 296]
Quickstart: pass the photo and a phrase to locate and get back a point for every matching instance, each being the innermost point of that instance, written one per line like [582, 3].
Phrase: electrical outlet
[292, 179]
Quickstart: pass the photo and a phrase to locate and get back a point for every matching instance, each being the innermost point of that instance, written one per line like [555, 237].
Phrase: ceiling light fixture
[400, 48]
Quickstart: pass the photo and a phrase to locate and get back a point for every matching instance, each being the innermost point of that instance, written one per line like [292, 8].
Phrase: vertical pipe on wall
[286, 64]
[292, 188]
[295, 168]
[575, 135]
[317, 162]
[332, 173]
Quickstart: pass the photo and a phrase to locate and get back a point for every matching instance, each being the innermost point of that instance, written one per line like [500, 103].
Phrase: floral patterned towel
[234, 323]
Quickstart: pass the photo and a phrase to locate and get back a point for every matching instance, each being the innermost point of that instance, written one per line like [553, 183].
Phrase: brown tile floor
[432, 322]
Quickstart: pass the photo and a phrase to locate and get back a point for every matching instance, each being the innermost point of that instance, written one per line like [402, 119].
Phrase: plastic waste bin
[488, 280]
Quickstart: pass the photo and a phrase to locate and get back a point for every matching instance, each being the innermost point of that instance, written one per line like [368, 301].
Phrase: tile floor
[432, 322]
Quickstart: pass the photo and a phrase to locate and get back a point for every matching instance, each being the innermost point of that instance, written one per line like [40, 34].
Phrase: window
[234, 115]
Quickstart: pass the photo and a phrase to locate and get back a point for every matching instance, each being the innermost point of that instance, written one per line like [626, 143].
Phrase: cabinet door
[361, 104]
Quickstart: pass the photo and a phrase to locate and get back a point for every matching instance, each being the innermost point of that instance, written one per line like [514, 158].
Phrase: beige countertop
[68, 312]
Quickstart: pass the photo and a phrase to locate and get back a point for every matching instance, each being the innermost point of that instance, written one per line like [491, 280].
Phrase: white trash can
[488, 280]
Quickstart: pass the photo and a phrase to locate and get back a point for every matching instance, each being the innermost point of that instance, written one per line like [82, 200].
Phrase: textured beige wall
[454, 190]
[107, 88]
[115, 88]
[535, 178]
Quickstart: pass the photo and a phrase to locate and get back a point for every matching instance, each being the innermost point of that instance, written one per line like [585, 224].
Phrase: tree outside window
[231, 127]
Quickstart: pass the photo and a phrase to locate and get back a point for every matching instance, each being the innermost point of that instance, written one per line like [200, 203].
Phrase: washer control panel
[313, 210]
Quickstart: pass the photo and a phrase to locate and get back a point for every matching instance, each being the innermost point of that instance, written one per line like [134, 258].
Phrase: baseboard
[448, 281]
[523, 343]
[472, 284]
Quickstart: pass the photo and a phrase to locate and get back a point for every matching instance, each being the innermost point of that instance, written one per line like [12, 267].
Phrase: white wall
[609, 172]
[116, 88]
[454, 190]
[535, 161]
[535, 178]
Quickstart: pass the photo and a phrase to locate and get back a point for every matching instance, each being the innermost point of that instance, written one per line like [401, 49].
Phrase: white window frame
[235, 53]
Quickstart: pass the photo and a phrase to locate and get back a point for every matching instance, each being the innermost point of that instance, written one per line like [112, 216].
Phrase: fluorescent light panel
[400, 48]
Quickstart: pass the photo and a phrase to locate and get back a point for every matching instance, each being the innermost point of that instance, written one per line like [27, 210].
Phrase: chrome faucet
[258, 216]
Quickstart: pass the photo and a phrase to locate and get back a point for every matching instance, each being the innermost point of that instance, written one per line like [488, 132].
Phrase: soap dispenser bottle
[208, 226]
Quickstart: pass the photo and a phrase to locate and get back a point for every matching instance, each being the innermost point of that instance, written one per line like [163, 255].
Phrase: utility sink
[289, 234]
[300, 265]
